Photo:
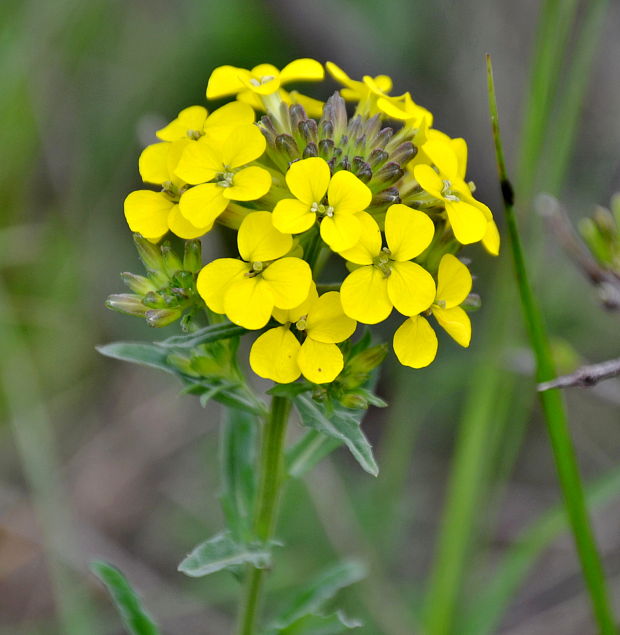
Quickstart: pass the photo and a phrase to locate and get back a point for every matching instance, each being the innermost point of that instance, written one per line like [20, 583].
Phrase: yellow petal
[289, 280]
[200, 162]
[308, 179]
[249, 184]
[292, 216]
[313, 107]
[455, 322]
[459, 146]
[229, 116]
[243, 145]
[454, 282]
[327, 321]
[320, 363]
[341, 231]
[339, 75]
[147, 212]
[215, 279]
[248, 302]
[250, 98]
[202, 204]
[442, 155]
[428, 179]
[491, 239]
[415, 342]
[226, 80]
[188, 120]
[369, 245]
[304, 69]
[292, 315]
[258, 240]
[411, 288]
[408, 232]
[274, 355]
[364, 295]
[347, 194]
[468, 222]
[153, 163]
[264, 79]
[180, 226]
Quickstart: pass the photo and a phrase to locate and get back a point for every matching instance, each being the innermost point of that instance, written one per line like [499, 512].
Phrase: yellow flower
[151, 213]
[404, 109]
[248, 290]
[264, 79]
[224, 164]
[278, 355]
[387, 277]
[313, 107]
[355, 90]
[415, 342]
[340, 213]
[195, 122]
[470, 219]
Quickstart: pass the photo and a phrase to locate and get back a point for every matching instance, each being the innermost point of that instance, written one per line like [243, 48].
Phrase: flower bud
[383, 136]
[192, 256]
[326, 148]
[309, 130]
[389, 173]
[326, 129]
[172, 263]
[287, 146]
[368, 360]
[154, 300]
[162, 317]
[377, 158]
[149, 254]
[310, 151]
[354, 402]
[297, 115]
[386, 197]
[138, 284]
[184, 280]
[127, 303]
[361, 169]
[403, 153]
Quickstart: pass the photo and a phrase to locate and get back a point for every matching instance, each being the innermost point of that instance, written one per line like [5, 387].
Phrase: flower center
[302, 323]
[257, 81]
[322, 210]
[447, 192]
[383, 262]
[225, 179]
[194, 134]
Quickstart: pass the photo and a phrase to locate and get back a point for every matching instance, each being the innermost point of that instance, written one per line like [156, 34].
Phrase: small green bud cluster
[167, 292]
[601, 234]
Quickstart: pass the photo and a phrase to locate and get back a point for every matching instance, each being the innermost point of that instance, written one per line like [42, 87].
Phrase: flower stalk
[552, 403]
[271, 479]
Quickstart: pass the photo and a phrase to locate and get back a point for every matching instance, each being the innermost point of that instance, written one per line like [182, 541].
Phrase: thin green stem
[271, 478]
[553, 406]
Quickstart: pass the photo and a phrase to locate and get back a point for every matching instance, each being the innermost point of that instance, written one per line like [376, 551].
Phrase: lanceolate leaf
[238, 442]
[339, 424]
[308, 451]
[211, 333]
[311, 599]
[135, 618]
[138, 353]
[320, 625]
[223, 552]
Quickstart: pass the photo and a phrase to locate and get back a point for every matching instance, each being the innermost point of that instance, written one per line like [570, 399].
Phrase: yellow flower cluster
[379, 187]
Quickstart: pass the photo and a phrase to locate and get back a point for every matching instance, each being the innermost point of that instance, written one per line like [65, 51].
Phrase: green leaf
[238, 443]
[289, 390]
[320, 625]
[339, 424]
[138, 353]
[223, 552]
[318, 591]
[211, 333]
[308, 451]
[135, 618]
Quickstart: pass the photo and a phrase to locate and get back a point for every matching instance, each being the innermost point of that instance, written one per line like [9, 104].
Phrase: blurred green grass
[83, 85]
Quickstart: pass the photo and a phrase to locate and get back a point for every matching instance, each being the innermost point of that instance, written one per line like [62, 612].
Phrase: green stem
[271, 478]
[552, 403]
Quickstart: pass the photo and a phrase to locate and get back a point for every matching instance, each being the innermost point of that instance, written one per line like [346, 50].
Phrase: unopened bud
[310, 151]
[326, 148]
[361, 169]
[192, 256]
[138, 284]
[326, 129]
[386, 197]
[403, 153]
[127, 303]
[154, 300]
[383, 136]
[287, 146]
[377, 158]
[184, 280]
[309, 130]
[389, 173]
[297, 115]
[368, 360]
[354, 402]
[149, 254]
[172, 263]
[162, 317]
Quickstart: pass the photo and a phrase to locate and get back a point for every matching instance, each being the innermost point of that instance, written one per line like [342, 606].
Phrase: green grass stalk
[552, 401]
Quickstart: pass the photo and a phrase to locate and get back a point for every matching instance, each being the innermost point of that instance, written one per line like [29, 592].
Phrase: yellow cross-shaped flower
[221, 172]
[387, 278]
[248, 290]
[151, 213]
[337, 202]
[278, 355]
[415, 341]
